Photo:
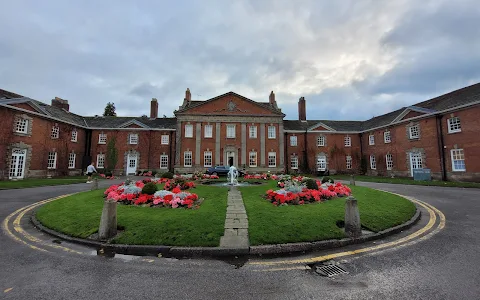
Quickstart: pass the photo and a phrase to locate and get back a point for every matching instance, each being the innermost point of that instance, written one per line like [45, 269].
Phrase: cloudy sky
[351, 60]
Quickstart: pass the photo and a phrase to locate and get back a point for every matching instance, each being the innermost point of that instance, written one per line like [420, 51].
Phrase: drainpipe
[441, 147]
[305, 159]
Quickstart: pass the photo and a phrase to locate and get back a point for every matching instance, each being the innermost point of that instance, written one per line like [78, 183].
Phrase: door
[17, 164]
[415, 161]
[230, 156]
[131, 164]
[321, 163]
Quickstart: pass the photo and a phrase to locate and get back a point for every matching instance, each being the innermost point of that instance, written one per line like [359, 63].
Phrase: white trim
[132, 122]
[268, 159]
[385, 137]
[190, 135]
[294, 159]
[163, 155]
[321, 124]
[162, 141]
[210, 126]
[103, 160]
[453, 161]
[371, 140]
[205, 159]
[256, 159]
[134, 140]
[386, 161]
[373, 162]
[130, 129]
[74, 160]
[54, 160]
[449, 125]
[184, 158]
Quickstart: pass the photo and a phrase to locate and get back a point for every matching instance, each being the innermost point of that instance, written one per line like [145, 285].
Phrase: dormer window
[55, 132]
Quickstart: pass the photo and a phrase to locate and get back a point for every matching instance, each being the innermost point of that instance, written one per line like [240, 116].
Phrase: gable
[133, 125]
[231, 104]
[412, 114]
[320, 128]
[25, 106]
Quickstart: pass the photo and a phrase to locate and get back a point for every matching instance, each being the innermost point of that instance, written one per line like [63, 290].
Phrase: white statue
[233, 175]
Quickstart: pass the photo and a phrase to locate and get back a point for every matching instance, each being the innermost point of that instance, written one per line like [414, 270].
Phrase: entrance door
[415, 161]
[17, 164]
[321, 163]
[230, 156]
[131, 164]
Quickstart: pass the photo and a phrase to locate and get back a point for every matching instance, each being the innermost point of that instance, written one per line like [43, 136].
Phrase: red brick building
[440, 134]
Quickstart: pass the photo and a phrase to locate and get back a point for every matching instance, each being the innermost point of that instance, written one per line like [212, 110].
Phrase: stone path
[236, 222]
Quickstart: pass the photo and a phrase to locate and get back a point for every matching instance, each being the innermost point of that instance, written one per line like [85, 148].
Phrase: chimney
[302, 113]
[153, 108]
[61, 103]
[188, 95]
[271, 98]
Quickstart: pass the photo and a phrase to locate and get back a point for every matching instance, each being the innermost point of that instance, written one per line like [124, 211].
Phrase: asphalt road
[446, 266]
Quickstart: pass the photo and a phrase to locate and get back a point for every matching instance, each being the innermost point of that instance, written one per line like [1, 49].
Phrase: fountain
[232, 176]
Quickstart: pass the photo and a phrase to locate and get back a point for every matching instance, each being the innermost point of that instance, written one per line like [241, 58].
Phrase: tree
[112, 154]
[110, 110]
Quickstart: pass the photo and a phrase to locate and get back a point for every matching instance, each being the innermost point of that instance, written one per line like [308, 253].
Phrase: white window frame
[387, 137]
[164, 161]
[321, 141]
[252, 157]
[207, 156]
[133, 138]
[458, 154]
[371, 140]
[294, 162]
[231, 131]
[187, 155]
[71, 160]
[208, 131]
[52, 160]
[100, 158]
[74, 136]
[321, 163]
[373, 162]
[165, 139]
[252, 132]
[347, 141]
[272, 132]
[21, 126]
[389, 161]
[102, 138]
[348, 162]
[293, 141]
[55, 134]
[411, 132]
[454, 127]
[189, 131]
[270, 155]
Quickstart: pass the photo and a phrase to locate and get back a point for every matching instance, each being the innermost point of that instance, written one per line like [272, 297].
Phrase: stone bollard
[353, 227]
[108, 221]
[95, 184]
[352, 179]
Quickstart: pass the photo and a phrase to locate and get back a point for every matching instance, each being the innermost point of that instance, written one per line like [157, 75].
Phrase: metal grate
[330, 270]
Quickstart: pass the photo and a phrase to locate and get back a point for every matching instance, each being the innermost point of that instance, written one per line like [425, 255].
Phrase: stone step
[234, 241]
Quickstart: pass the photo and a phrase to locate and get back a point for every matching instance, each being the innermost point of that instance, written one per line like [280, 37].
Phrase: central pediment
[229, 104]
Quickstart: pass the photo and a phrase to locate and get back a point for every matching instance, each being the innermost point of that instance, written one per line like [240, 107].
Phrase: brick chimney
[61, 103]
[153, 108]
[302, 112]
[188, 95]
[271, 98]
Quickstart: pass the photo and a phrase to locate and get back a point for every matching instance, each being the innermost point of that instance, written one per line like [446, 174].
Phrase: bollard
[108, 221]
[353, 227]
[352, 179]
[95, 184]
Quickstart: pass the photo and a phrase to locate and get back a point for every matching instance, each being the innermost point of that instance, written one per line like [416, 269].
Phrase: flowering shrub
[297, 194]
[180, 183]
[130, 194]
[106, 177]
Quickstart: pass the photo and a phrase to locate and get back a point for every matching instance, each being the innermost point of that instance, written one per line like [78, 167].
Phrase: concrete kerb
[275, 249]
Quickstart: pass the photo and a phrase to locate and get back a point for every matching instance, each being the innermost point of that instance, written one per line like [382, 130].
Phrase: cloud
[350, 59]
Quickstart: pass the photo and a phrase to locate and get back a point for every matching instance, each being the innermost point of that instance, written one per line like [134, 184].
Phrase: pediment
[320, 127]
[133, 124]
[230, 104]
[412, 112]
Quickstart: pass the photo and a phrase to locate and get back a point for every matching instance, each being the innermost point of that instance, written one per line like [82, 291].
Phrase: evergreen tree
[110, 110]
[112, 154]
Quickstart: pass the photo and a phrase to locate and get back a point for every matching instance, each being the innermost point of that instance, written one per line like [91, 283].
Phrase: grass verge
[36, 182]
[269, 224]
[79, 216]
[408, 181]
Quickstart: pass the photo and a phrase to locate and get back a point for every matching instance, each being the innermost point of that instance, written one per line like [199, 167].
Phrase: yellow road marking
[7, 290]
[427, 227]
[148, 260]
[281, 269]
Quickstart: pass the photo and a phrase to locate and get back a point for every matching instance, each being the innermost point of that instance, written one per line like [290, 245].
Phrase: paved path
[236, 222]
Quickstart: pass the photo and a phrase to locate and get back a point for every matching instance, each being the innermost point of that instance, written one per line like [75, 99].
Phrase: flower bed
[107, 177]
[180, 183]
[295, 193]
[130, 193]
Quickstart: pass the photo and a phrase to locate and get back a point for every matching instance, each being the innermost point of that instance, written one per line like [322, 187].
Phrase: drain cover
[330, 270]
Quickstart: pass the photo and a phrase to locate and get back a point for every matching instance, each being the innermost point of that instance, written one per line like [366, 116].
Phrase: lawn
[269, 224]
[408, 181]
[35, 182]
[79, 216]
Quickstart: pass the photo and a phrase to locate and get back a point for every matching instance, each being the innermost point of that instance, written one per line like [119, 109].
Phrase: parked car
[222, 171]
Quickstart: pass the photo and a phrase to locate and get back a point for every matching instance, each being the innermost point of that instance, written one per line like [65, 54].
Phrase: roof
[335, 125]
[124, 122]
[8, 95]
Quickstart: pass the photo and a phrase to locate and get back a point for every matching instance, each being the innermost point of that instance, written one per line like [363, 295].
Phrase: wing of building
[440, 134]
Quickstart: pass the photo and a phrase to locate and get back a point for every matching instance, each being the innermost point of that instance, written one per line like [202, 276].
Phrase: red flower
[176, 190]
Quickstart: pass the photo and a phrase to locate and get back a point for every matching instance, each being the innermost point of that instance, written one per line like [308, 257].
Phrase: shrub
[311, 184]
[154, 173]
[149, 188]
[108, 173]
[327, 179]
[138, 172]
[168, 175]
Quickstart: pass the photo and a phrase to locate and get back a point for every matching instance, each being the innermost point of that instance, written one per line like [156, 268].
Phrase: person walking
[90, 170]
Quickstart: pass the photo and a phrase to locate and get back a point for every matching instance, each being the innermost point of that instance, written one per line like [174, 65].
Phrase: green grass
[79, 216]
[269, 224]
[35, 182]
[408, 181]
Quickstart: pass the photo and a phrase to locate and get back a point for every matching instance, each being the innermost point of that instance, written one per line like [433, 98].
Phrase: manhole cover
[330, 270]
